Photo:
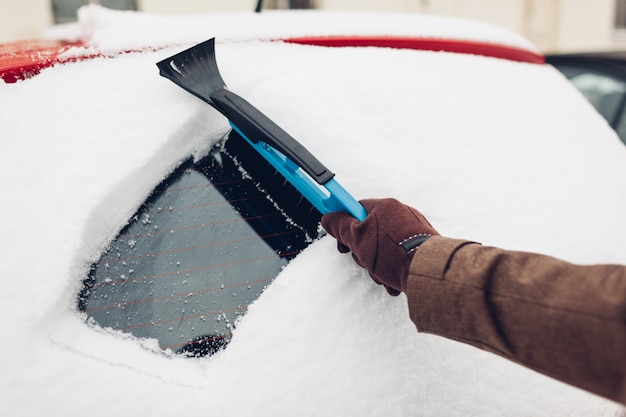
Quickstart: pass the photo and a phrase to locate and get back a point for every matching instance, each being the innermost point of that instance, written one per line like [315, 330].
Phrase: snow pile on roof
[500, 152]
[113, 31]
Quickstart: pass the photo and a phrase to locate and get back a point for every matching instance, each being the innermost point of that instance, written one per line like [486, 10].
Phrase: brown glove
[383, 243]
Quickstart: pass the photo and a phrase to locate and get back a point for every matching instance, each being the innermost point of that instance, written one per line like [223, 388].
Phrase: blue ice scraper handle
[326, 198]
[305, 172]
[195, 70]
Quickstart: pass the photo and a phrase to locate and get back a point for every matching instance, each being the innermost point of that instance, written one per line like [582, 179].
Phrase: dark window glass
[620, 127]
[604, 91]
[199, 251]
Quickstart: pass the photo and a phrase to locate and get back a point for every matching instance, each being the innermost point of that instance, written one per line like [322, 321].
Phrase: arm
[563, 320]
[560, 319]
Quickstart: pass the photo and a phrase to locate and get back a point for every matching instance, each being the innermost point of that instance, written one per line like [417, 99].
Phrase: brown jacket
[563, 320]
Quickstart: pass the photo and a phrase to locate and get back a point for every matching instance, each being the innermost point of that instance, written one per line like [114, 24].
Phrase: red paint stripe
[425, 44]
[25, 59]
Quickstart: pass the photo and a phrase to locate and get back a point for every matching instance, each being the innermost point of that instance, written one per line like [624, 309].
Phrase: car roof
[23, 59]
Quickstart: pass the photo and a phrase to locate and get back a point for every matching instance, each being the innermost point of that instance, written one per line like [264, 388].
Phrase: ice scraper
[195, 70]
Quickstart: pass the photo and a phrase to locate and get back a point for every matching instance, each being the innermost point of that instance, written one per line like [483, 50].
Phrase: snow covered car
[459, 119]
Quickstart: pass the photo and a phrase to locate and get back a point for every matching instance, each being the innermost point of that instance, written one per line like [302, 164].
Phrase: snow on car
[488, 142]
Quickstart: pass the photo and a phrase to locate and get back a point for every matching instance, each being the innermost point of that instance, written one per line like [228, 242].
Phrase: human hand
[383, 243]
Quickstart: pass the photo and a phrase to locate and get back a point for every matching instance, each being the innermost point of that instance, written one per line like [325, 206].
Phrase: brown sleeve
[563, 320]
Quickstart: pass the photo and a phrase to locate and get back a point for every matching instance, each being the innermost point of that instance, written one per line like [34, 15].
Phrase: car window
[620, 126]
[606, 93]
[207, 242]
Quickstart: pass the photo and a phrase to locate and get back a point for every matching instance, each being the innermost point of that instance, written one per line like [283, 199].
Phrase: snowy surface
[110, 30]
[504, 153]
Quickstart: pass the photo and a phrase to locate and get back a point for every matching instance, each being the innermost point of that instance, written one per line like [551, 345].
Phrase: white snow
[505, 153]
[110, 30]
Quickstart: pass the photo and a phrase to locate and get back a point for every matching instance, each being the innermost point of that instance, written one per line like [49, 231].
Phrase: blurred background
[554, 26]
